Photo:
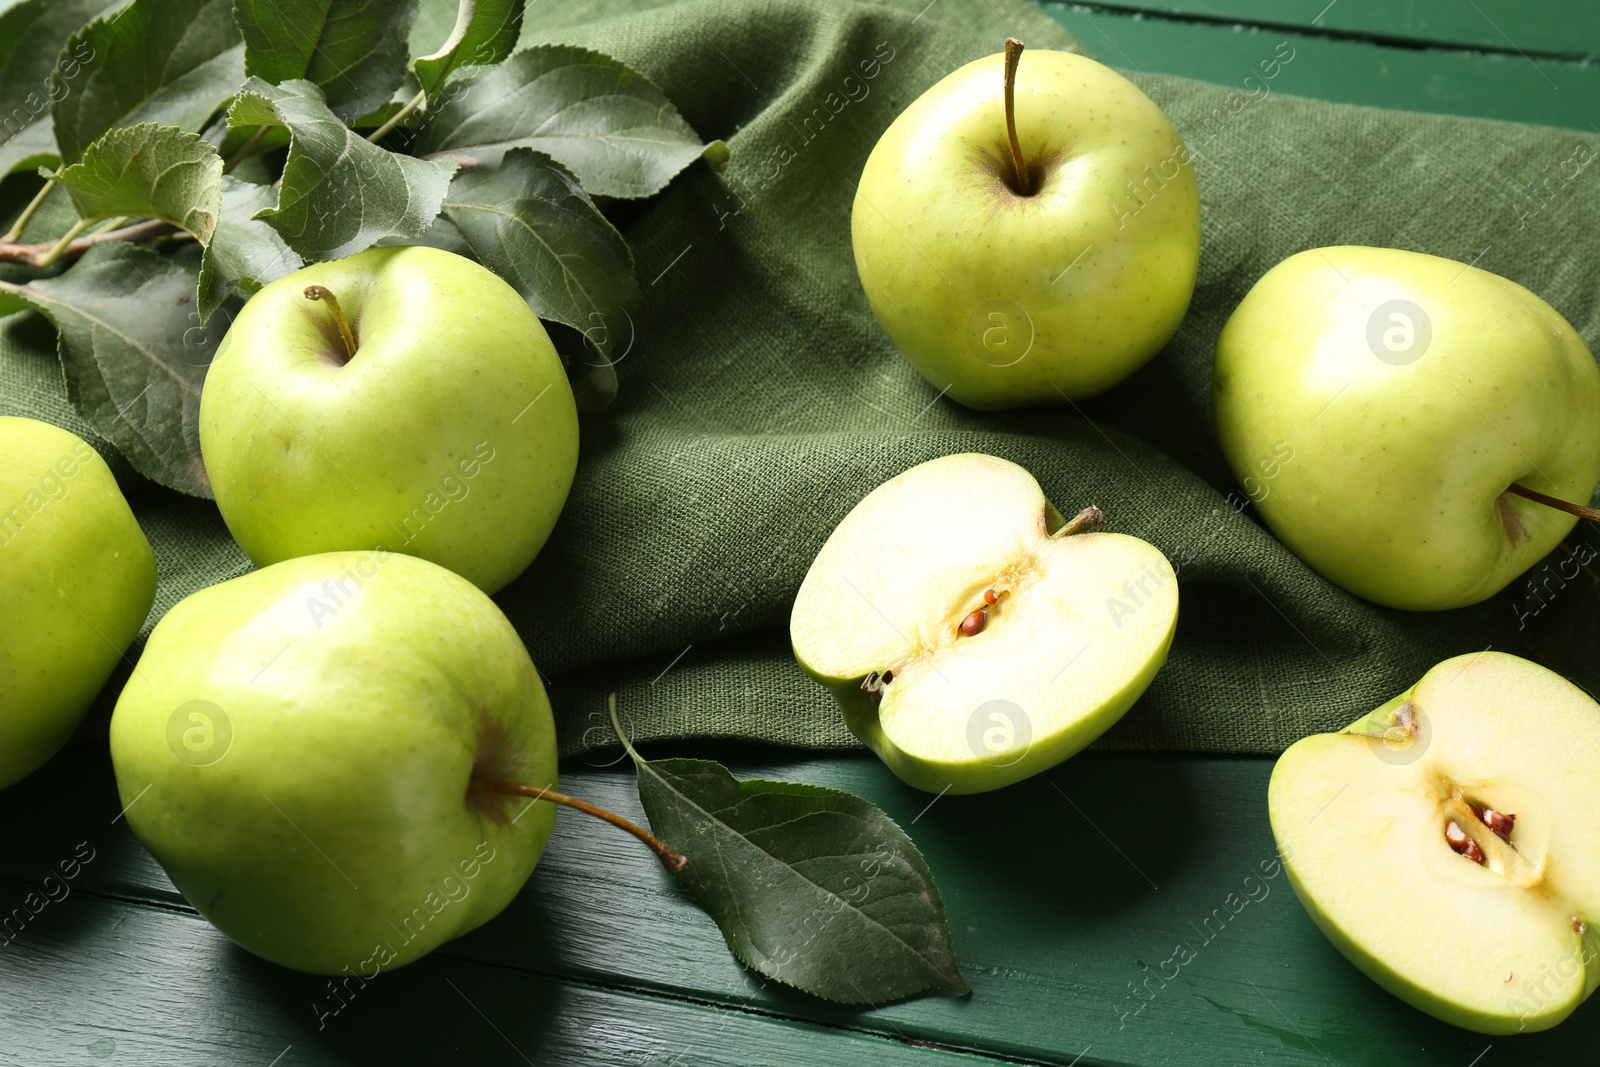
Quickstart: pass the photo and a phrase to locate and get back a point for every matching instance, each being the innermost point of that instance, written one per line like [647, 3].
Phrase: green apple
[1005, 298]
[404, 398]
[302, 773]
[969, 634]
[1446, 842]
[77, 579]
[1380, 405]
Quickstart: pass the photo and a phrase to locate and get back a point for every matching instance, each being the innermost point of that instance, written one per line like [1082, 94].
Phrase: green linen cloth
[760, 400]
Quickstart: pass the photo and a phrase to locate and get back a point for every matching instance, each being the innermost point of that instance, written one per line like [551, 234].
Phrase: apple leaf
[171, 62]
[340, 193]
[32, 34]
[149, 171]
[813, 887]
[245, 253]
[353, 50]
[605, 122]
[133, 353]
[530, 222]
[485, 32]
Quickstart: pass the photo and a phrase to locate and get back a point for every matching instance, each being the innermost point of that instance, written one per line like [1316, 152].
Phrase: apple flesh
[1005, 300]
[968, 638]
[77, 578]
[303, 776]
[1445, 843]
[1411, 392]
[449, 433]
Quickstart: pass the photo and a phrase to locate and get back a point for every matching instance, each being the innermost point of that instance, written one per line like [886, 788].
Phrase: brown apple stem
[1579, 510]
[1013, 54]
[1090, 518]
[317, 292]
[670, 859]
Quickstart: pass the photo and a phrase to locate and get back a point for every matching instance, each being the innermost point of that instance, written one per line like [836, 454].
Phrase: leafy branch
[152, 111]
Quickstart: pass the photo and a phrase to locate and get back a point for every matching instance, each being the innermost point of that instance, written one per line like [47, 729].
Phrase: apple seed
[973, 624]
[990, 596]
[1499, 822]
[1462, 844]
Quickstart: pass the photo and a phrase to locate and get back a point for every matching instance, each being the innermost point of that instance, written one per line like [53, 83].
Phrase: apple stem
[1592, 514]
[317, 292]
[670, 859]
[1090, 518]
[1013, 54]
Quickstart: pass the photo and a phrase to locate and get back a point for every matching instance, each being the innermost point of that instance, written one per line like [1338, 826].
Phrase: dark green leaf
[814, 887]
[149, 171]
[485, 32]
[530, 222]
[340, 192]
[171, 62]
[245, 253]
[134, 353]
[353, 50]
[32, 35]
[606, 123]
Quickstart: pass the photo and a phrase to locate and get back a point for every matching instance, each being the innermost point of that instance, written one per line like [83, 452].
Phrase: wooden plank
[1066, 893]
[94, 980]
[1496, 86]
[1569, 28]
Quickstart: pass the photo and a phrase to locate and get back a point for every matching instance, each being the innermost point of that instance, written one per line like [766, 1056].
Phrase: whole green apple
[296, 747]
[1005, 295]
[1446, 844]
[403, 398]
[1380, 404]
[77, 579]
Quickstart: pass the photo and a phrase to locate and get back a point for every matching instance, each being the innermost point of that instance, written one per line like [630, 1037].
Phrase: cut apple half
[971, 635]
[1447, 845]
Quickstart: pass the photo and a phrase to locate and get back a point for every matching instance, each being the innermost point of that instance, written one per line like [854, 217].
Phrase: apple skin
[971, 281]
[315, 806]
[451, 435]
[77, 578]
[1400, 459]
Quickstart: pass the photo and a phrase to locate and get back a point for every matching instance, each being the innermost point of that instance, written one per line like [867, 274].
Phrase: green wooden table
[1066, 893]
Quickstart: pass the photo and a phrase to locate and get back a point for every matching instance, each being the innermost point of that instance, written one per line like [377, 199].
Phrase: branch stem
[1020, 165]
[399, 116]
[15, 233]
[670, 859]
[54, 252]
[1570, 508]
[33, 255]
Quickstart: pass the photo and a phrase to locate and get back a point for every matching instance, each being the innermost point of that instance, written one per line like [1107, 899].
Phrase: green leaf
[133, 353]
[340, 193]
[171, 62]
[32, 35]
[245, 253]
[149, 171]
[530, 222]
[814, 887]
[606, 123]
[353, 50]
[485, 32]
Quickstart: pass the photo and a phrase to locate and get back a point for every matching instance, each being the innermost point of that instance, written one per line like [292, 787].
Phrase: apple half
[1446, 844]
[972, 636]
